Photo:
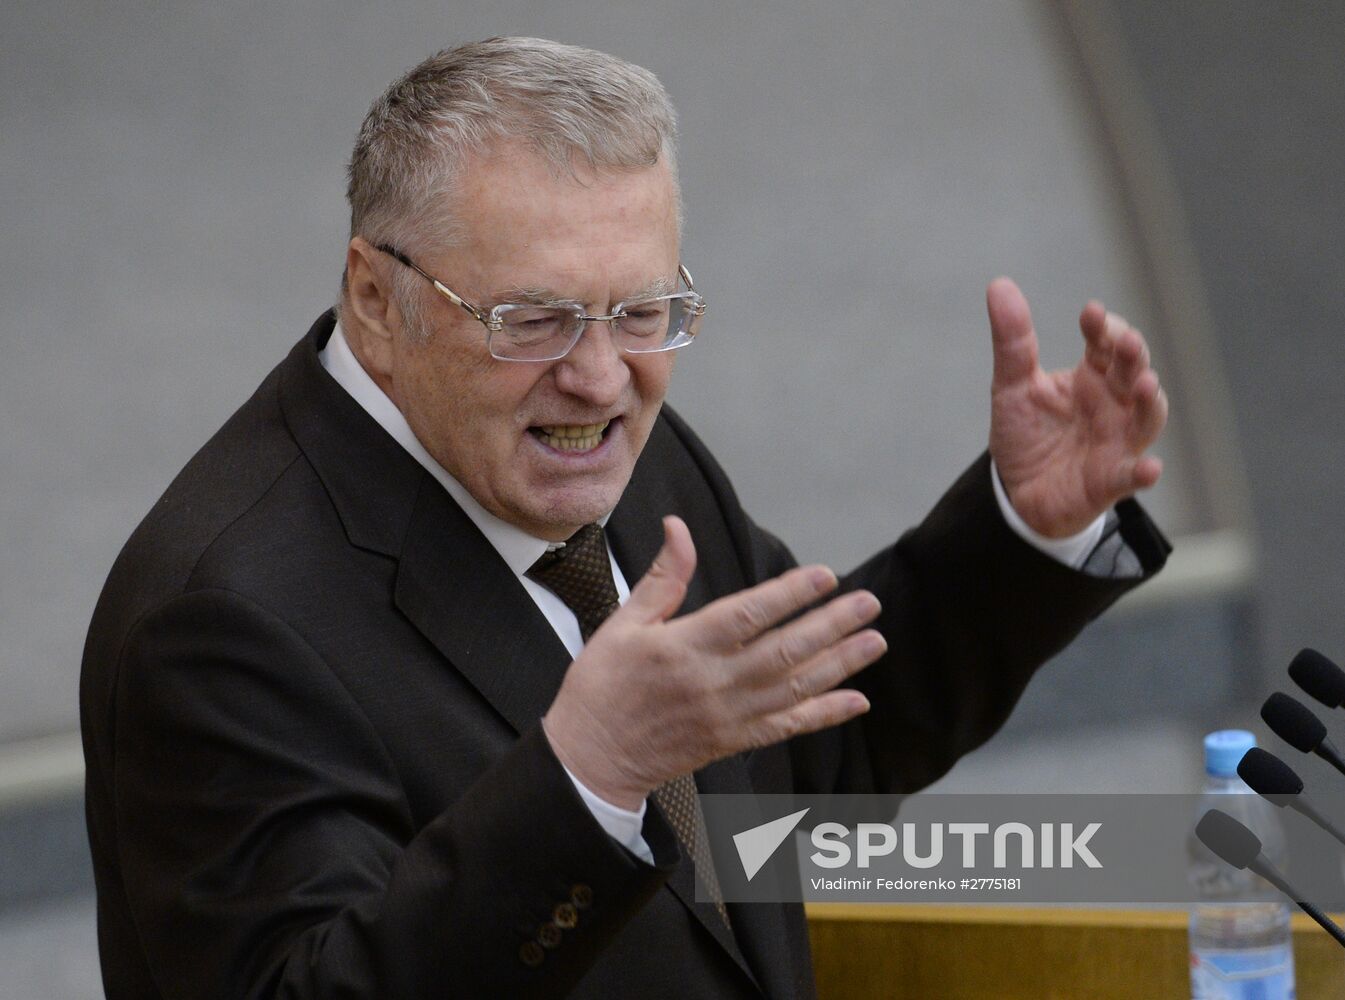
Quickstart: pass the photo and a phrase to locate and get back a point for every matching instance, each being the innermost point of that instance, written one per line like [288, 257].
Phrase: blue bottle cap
[1224, 749]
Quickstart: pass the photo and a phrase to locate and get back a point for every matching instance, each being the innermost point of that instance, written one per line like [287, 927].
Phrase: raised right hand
[651, 697]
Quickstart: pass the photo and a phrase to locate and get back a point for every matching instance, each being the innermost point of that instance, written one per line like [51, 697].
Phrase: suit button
[565, 916]
[581, 896]
[531, 954]
[548, 935]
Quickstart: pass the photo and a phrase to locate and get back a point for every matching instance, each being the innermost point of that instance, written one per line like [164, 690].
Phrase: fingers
[829, 668]
[813, 715]
[1101, 331]
[662, 589]
[1012, 336]
[1130, 360]
[779, 652]
[782, 684]
[808, 657]
[1133, 383]
[1134, 474]
[1151, 409]
[649, 698]
[1119, 353]
[1147, 471]
[1093, 325]
[741, 617]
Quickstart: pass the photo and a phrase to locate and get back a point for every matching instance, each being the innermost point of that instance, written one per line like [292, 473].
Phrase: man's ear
[371, 319]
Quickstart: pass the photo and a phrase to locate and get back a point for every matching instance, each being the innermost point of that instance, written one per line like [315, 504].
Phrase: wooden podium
[933, 952]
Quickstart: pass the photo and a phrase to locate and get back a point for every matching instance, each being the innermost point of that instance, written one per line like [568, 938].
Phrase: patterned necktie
[580, 574]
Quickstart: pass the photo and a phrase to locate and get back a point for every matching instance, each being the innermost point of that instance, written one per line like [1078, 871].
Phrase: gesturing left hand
[1069, 444]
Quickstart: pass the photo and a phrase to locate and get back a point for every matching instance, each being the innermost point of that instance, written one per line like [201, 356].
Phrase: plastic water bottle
[1241, 946]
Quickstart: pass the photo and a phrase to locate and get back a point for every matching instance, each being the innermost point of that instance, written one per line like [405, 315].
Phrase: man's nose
[595, 369]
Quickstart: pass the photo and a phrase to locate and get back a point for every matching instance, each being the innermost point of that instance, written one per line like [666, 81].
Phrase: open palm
[1070, 444]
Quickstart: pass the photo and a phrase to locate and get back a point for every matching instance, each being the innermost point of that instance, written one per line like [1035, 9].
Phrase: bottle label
[1244, 974]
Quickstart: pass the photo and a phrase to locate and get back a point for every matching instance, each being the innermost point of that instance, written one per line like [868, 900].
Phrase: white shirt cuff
[1072, 551]
[622, 825]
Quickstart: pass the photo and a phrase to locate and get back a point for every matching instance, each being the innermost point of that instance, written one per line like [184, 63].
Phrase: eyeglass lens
[544, 332]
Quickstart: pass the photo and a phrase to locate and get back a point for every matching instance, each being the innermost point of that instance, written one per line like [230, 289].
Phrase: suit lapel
[455, 588]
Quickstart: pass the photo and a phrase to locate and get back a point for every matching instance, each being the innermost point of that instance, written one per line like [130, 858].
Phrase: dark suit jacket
[310, 707]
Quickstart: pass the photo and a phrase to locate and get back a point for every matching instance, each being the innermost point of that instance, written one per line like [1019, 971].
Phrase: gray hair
[571, 105]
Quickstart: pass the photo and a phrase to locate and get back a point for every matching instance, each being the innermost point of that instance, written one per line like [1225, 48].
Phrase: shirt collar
[516, 547]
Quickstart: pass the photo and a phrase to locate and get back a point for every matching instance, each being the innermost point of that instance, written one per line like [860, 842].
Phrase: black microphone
[1319, 677]
[1276, 782]
[1241, 848]
[1293, 722]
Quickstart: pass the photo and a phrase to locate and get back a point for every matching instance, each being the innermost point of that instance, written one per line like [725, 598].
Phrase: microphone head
[1228, 838]
[1293, 722]
[1269, 776]
[1319, 677]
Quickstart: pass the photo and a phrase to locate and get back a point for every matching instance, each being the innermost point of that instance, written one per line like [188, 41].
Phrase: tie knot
[580, 574]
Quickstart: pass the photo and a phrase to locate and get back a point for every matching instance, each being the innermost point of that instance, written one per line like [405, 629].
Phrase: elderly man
[371, 706]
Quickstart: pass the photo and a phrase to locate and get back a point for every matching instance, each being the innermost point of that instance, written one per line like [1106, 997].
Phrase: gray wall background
[854, 175]
[171, 183]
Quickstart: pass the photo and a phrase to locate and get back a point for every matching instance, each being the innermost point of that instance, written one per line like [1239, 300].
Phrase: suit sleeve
[269, 852]
[970, 611]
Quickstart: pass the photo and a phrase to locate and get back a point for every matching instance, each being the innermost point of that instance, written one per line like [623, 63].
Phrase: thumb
[1011, 333]
[661, 591]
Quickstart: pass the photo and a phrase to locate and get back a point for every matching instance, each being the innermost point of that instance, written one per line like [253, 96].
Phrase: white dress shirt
[520, 550]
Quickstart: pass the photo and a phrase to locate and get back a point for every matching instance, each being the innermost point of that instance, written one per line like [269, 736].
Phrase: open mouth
[571, 437]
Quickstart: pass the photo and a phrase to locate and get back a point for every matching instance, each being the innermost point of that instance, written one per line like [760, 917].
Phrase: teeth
[572, 437]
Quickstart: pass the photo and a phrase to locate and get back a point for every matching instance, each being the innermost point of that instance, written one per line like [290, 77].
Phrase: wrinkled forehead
[513, 205]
